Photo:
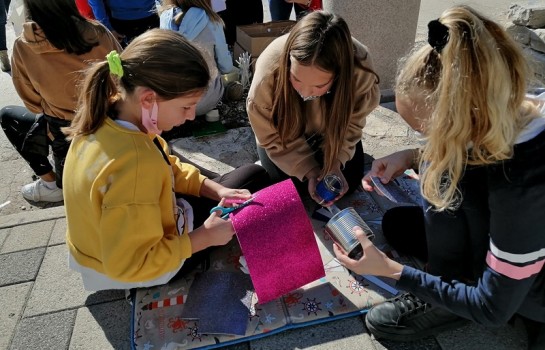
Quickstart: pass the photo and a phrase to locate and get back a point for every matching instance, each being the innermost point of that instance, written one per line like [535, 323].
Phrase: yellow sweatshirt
[297, 158]
[45, 77]
[118, 195]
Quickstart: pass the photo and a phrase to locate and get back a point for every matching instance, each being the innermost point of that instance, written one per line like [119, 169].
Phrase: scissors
[225, 211]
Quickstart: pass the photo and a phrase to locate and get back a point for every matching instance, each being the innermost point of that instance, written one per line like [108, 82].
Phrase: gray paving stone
[344, 334]
[102, 327]
[4, 232]
[26, 217]
[241, 346]
[59, 288]
[428, 343]
[20, 266]
[58, 236]
[28, 236]
[221, 153]
[11, 310]
[51, 331]
[474, 336]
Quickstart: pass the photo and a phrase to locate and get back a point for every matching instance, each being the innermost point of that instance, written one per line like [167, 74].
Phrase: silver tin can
[339, 228]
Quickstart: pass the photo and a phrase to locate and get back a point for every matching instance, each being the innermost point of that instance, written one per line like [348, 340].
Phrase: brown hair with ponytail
[161, 60]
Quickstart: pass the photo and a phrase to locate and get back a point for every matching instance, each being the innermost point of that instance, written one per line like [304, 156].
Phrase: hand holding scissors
[225, 211]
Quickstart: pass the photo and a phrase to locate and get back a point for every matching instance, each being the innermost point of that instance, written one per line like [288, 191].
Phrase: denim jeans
[4, 7]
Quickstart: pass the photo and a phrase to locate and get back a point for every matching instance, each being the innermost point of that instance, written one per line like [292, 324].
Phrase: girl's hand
[219, 231]
[389, 167]
[335, 171]
[215, 231]
[234, 195]
[213, 190]
[373, 261]
[312, 178]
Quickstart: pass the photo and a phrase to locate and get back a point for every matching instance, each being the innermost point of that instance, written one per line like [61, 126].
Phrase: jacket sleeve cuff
[185, 246]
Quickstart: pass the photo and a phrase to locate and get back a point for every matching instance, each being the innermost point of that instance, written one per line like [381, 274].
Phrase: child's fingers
[338, 248]
[367, 184]
[341, 255]
[362, 237]
[217, 212]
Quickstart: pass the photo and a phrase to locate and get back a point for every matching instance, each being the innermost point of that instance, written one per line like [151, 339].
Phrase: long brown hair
[320, 39]
[161, 60]
[60, 17]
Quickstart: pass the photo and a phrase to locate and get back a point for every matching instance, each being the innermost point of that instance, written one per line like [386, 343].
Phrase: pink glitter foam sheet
[277, 240]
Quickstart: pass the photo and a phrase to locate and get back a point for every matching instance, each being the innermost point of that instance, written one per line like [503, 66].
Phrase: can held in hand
[329, 188]
[339, 228]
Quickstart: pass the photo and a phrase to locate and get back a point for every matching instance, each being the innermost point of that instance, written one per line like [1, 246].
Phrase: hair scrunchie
[438, 35]
[114, 63]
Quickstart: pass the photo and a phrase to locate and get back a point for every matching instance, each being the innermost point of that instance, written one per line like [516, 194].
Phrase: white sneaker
[38, 192]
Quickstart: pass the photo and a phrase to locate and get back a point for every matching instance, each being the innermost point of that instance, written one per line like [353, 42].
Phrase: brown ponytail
[161, 60]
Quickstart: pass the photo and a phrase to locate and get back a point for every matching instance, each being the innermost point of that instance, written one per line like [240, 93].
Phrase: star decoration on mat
[269, 319]
[148, 346]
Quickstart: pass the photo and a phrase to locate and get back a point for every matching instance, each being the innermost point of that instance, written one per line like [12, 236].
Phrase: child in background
[46, 70]
[198, 23]
[125, 227]
[483, 180]
[84, 8]
[281, 9]
[126, 19]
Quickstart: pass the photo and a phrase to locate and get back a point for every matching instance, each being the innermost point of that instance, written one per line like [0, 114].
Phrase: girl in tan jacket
[56, 45]
[310, 94]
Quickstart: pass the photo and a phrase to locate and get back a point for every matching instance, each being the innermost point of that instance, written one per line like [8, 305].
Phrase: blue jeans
[281, 10]
[4, 7]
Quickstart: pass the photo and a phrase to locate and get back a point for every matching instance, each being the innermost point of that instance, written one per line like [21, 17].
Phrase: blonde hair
[161, 60]
[476, 87]
[321, 39]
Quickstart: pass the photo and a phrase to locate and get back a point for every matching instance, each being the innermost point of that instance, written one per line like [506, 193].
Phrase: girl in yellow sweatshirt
[126, 228]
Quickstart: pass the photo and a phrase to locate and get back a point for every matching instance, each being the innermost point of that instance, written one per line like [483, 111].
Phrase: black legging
[240, 12]
[28, 133]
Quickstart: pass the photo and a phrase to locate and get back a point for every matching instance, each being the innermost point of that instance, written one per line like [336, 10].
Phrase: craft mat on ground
[339, 294]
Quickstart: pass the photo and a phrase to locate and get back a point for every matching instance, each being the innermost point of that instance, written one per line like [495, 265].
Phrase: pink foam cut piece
[278, 242]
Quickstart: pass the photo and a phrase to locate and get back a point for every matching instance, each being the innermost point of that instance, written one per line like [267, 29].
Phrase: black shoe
[406, 317]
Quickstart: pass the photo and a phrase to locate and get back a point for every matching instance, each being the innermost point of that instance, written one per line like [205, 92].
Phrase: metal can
[330, 187]
[339, 228]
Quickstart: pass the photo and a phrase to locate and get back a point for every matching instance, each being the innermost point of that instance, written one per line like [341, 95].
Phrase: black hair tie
[438, 35]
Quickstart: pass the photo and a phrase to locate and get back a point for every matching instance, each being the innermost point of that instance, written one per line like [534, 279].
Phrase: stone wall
[527, 27]
[387, 28]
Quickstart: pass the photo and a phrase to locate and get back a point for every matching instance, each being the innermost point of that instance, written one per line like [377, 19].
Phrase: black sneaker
[406, 317]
